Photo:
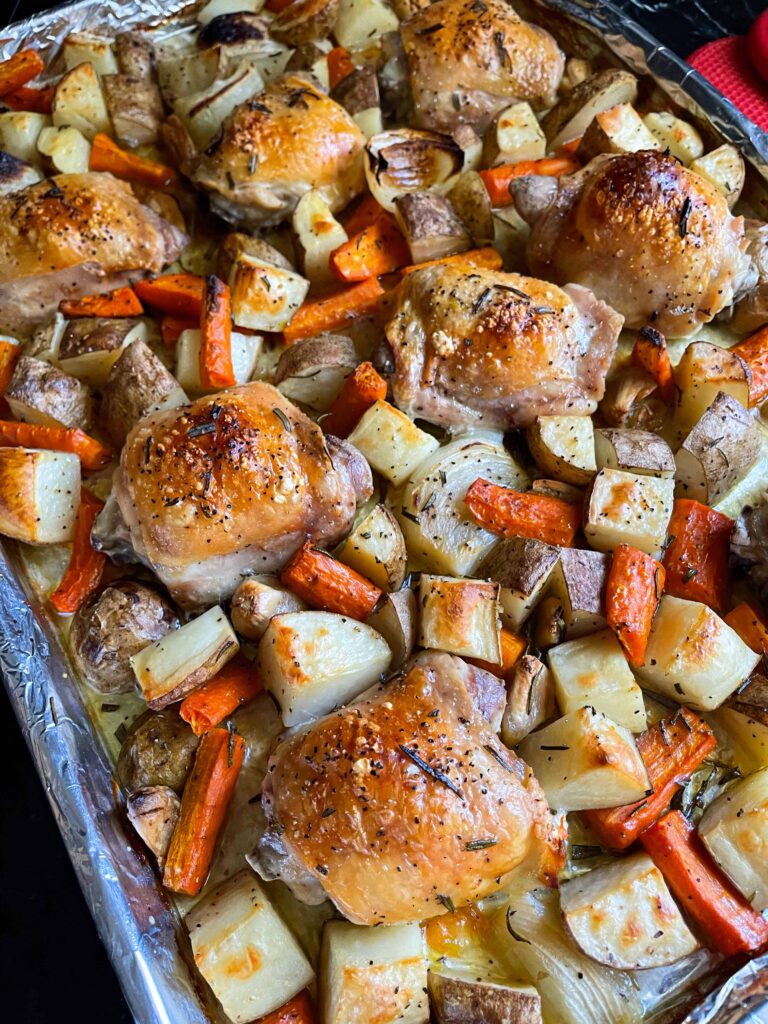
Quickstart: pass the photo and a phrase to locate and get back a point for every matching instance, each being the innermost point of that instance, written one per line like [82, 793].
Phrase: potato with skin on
[619, 129]
[312, 371]
[635, 451]
[391, 442]
[39, 495]
[523, 567]
[693, 657]
[396, 619]
[578, 584]
[138, 382]
[376, 549]
[469, 198]
[514, 135]
[460, 617]
[39, 393]
[564, 446]
[154, 813]
[257, 601]
[530, 700]
[158, 750]
[703, 372]
[431, 226]
[78, 102]
[90, 346]
[572, 115]
[203, 113]
[16, 173]
[625, 508]
[459, 995]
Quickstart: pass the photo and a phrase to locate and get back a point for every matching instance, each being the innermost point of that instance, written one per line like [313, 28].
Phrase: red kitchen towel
[727, 65]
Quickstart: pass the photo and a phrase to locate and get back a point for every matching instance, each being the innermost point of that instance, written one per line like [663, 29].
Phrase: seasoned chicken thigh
[232, 484]
[73, 235]
[287, 140]
[404, 801]
[482, 348]
[650, 237]
[468, 59]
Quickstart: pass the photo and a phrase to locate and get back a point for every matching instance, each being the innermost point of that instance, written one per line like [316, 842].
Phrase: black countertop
[51, 959]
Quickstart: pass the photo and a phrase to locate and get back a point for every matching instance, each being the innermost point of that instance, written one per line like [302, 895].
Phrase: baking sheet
[140, 931]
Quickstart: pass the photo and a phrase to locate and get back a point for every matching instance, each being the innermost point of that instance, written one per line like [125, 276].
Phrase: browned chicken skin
[73, 235]
[482, 348]
[231, 484]
[405, 798]
[650, 237]
[468, 59]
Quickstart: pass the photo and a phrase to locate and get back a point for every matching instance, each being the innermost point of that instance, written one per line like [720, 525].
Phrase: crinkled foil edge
[140, 932]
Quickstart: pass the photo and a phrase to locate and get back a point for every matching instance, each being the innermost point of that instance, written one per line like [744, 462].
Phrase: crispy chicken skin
[274, 148]
[650, 237]
[468, 59]
[73, 235]
[482, 348]
[231, 484]
[387, 837]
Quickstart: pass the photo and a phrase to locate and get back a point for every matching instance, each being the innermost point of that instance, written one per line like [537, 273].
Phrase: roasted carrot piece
[298, 1010]
[275, 6]
[339, 65]
[9, 353]
[327, 584]
[333, 311]
[569, 148]
[86, 565]
[378, 249]
[488, 258]
[216, 370]
[696, 558]
[176, 294]
[671, 750]
[19, 69]
[517, 514]
[754, 351]
[362, 389]
[172, 326]
[92, 453]
[727, 921]
[750, 627]
[497, 179]
[204, 806]
[120, 302]
[35, 101]
[652, 355]
[512, 646]
[633, 592]
[106, 155]
[237, 683]
[365, 212]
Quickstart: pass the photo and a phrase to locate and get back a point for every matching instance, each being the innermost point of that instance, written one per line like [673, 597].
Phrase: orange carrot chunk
[204, 806]
[729, 924]
[86, 565]
[216, 370]
[106, 155]
[172, 326]
[334, 311]
[19, 69]
[327, 584]
[487, 258]
[363, 213]
[176, 294]
[652, 355]
[696, 558]
[298, 1010]
[9, 354]
[27, 98]
[633, 592]
[378, 249]
[497, 179]
[671, 750]
[92, 453]
[517, 514]
[237, 683]
[339, 65]
[362, 389]
[120, 302]
[512, 646]
[754, 351]
[750, 627]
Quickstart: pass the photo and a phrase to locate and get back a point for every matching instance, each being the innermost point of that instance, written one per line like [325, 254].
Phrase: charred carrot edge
[120, 302]
[298, 1010]
[92, 453]
[512, 646]
[754, 351]
[216, 370]
[9, 354]
[237, 683]
[652, 355]
[378, 249]
[327, 584]
[497, 179]
[86, 565]
[363, 213]
[569, 148]
[19, 69]
[634, 588]
[748, 624]
[517, 514]
[671, 750]
[106, 155]
[487, 258]
[697, 556]
[334, 310]
[176, 294]
[727, 921]
[362, 389]
[275, 6]
[31, 100]
[171, 328]
[339, 65]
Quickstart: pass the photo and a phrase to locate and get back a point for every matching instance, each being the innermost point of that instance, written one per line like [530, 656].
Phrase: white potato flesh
[264, 297]
[318, 233]
[68, 149]
[578, 581]
[312, 662]
[391, 442]
[705, 370]
[571, 117]
[360, 22]
[516, 135]
[79, 102]
[93, 367]
[593, 670]
[39, 495]
[564, 446]
[244, 950]
[625, 508]
[462, 995]
[724, 168]
[747, 738]
[623, 916]
[203, 113]
[185, 75]
[676, 135]
[619, 129]
[693, 656]
[373, 973]
[86, 47]
[523, 566]
[245, 353]
[370, 121]
[441, 534]
[584, 760]
[376, 549]
[735, 831]
[19, 132]
[461, 617]
[185, 658]
[218, 7]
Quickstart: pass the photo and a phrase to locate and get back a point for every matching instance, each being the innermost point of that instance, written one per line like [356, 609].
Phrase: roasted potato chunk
[157, 751]
[41, 394]
[137, 382]
[430, 226]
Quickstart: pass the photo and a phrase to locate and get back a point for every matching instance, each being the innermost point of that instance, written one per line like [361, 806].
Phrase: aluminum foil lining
[141, 932]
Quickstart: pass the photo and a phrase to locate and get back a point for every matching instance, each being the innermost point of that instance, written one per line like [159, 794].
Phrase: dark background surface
[52, 965]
